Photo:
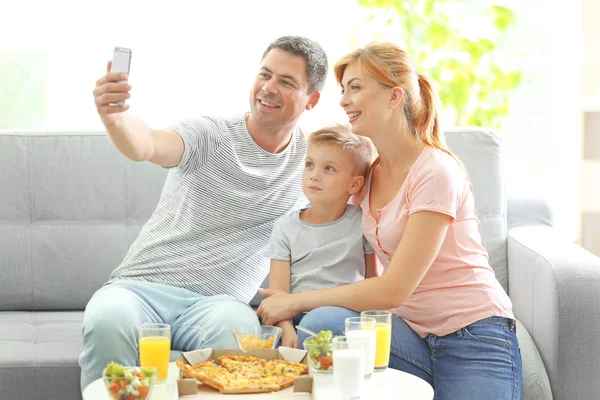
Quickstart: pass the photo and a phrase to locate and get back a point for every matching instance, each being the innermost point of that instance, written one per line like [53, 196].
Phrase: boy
[323, 245]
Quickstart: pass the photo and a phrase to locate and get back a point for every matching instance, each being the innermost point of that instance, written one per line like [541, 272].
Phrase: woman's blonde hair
[357, 147]
[392, 66]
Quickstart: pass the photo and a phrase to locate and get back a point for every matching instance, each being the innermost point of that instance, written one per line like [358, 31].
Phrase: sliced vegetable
[323, 337]
[325, 361]
[319, 350]
[128, 383]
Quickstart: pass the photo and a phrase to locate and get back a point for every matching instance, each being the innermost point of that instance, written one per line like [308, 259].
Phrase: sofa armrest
[526, 211]
[555, 289]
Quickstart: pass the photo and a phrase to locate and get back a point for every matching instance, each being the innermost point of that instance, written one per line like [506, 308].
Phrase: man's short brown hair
[360, 149]
[316, 60]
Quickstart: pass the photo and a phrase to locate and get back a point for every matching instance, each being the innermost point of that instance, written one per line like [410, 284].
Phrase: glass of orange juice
[383, 329]
[155, 348]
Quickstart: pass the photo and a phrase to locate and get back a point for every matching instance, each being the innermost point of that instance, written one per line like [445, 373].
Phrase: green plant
[457, 43]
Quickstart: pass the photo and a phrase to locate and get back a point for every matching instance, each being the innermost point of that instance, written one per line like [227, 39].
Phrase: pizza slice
[250, 386]
[227, 358]
[287, 367]
[285, 371]
[206, 372]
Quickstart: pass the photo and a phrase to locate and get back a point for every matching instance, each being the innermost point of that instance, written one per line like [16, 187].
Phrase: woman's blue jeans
[479, 361]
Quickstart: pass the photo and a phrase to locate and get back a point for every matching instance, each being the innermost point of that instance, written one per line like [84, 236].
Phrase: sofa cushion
[481, 153]
[15, 232]
[70, 207]
[536, 385]
[39, 354]
[37, 350]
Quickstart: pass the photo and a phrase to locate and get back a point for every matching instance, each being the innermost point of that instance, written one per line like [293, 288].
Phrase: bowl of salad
[129, 383]
[320, 357]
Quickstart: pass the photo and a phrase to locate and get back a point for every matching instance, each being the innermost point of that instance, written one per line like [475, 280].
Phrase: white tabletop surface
[391, 384]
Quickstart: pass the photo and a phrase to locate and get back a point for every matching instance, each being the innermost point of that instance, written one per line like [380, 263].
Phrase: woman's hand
[278, 306]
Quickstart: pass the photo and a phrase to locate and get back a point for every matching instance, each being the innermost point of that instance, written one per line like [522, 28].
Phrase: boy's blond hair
[357, 147]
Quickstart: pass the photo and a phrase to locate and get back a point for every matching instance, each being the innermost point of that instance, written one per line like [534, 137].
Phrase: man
[201, 257]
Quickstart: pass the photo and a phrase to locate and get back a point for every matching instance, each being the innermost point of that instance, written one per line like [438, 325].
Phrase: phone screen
[120, 62]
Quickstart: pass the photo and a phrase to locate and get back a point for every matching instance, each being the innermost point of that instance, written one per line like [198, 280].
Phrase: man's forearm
[131, 136]
[369, 294]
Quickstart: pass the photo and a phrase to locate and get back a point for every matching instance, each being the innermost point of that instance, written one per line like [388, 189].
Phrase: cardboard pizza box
[191, 389]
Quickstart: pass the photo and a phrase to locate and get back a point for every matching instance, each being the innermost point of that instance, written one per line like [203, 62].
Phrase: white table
[391, 384]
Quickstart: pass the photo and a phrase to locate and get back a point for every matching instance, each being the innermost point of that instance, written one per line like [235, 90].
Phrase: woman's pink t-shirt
[460, 287]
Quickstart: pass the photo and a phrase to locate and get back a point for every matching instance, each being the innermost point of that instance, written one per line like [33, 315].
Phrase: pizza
[244, 374]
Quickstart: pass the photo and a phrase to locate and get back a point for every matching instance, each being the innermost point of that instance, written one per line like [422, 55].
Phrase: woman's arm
[424, 234]
[371, 266]
[420, 244]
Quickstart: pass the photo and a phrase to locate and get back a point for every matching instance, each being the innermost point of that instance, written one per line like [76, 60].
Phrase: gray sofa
[71, 205]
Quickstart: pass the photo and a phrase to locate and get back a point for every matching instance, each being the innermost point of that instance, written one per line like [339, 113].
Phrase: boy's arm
[372, 267]
[281, 265]
[279, 279]
[279, 275]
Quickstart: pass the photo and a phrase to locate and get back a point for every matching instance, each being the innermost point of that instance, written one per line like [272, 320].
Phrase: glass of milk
[364, 328]
[349, 371]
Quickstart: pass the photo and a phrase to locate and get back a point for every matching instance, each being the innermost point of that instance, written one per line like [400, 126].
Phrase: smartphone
[120, 63]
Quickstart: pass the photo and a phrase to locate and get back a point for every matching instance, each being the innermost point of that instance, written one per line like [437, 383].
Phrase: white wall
[590, 68]
[590, 89]
[187, 60]
[543, 131]
[189, 57]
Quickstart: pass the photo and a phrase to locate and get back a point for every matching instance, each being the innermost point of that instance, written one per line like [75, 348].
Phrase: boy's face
[329, 175]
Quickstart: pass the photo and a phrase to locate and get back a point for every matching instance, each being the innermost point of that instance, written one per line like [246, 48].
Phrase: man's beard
[266, 120]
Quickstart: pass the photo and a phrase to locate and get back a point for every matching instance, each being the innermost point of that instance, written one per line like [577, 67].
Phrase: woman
[454, 325]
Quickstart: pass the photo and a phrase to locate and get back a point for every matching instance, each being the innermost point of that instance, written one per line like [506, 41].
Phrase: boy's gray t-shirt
[321, 256]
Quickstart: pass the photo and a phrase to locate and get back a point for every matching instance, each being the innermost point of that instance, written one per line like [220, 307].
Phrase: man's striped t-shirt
[211, 227]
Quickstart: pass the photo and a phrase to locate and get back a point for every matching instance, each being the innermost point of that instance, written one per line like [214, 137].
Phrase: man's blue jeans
[115, 311]
[479, 361]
